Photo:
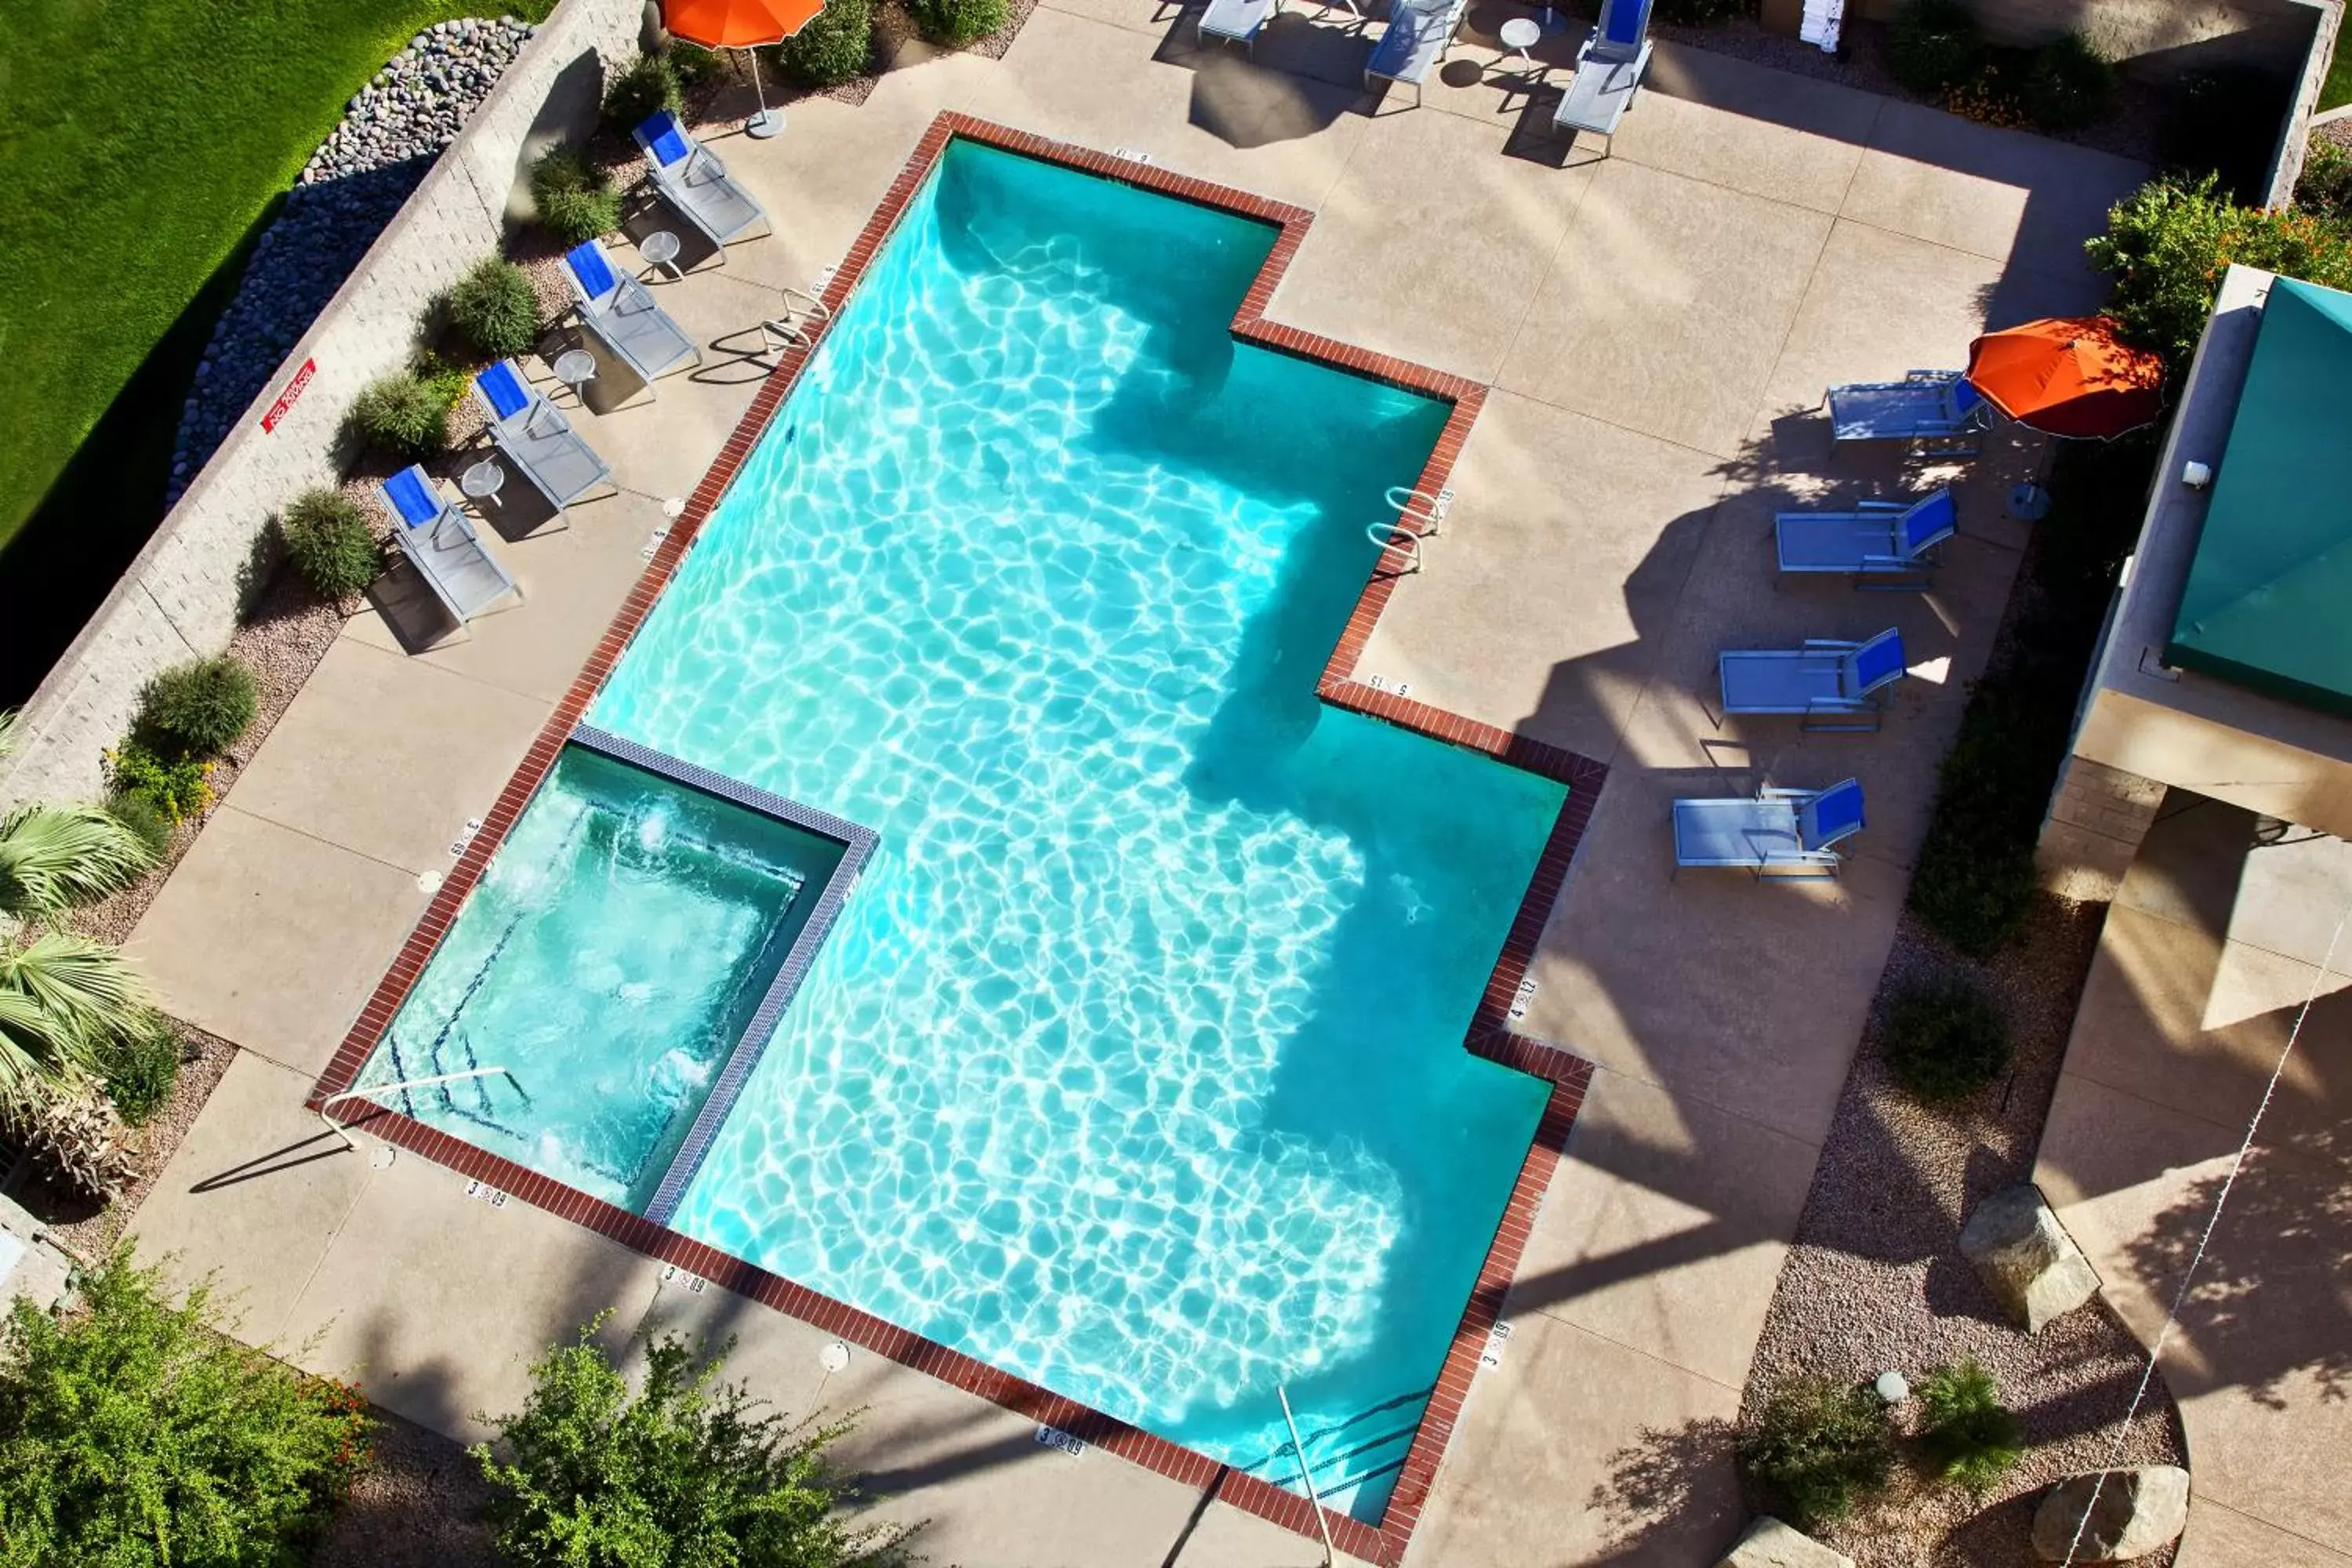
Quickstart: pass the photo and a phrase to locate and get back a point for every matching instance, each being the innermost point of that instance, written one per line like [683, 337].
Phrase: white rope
[2212, 1222]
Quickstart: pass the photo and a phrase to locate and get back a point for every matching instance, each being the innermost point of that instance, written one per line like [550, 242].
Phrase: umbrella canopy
[737, 24]
[2069, 376]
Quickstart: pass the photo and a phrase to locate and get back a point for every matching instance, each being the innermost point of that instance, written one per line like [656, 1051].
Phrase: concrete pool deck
[1655, 325]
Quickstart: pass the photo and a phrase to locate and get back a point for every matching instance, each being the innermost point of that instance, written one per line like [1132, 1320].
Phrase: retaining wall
[183, 593]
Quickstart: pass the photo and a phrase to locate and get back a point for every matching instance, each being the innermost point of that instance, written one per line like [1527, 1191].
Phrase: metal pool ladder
[804, 316]
[1418, 516]
[375, 1089]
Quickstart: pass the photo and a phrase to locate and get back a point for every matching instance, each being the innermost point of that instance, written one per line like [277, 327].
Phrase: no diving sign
[285, 399]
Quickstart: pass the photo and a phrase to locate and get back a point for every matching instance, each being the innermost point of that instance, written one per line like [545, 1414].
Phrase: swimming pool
[1134, 1065]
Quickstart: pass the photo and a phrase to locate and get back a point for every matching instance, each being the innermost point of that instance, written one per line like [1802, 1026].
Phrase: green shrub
[2169, 243]
[956, 23]
[139, 1069]
[330, 543]
[1936, 46]
[649, 83]
[399, 414]
[1945, 1039]
[201, 706]
[2325, 186]
[1970, 1436]
[146, 820]
[686, 1472]
[496, 308]
[693, 64]
[837, 45]
[576, 200]
[133, 1434]
[1817, 1448]
[2067, 85]
[178, 786]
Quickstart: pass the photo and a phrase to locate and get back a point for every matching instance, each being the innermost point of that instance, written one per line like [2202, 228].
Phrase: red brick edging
[1489, 1037]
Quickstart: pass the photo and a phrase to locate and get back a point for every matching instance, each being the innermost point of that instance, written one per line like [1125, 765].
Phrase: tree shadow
[1671, 1496]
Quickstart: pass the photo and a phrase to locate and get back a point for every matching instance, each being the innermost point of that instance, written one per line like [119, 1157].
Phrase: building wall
[2260, 773]
[183, 593]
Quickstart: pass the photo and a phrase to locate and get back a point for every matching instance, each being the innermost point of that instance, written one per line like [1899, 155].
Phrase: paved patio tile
[1228, 1537]
[273, 938]
[252, 1197]
[2218, 868]
[1215, 117]
[389, 756]
[575, 578]
[2224, 1012]
[435, 1303]
[992, 1495]
[1546, 599]
[1881, 304]
[1767, 133]
[1743, 996]
[2022, 200]
[1665, 1227]
[1667, 306]
[1440, 267]
[1577, 1449]
[2221, 1537]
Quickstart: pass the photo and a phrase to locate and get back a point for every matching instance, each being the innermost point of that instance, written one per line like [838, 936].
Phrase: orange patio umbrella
[741, 24]
[2072, 376]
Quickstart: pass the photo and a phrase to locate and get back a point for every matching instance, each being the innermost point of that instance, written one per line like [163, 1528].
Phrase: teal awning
[2269, 598]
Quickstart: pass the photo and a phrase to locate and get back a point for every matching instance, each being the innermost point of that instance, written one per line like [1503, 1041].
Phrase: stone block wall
[2092, 833]
[182, 597]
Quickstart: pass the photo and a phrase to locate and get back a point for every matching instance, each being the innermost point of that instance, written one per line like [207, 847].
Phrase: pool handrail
[373, 1088]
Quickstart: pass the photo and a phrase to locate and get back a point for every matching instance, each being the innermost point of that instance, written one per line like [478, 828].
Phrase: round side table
[660, 247]
[1520, 35]
[575, 368]
[483, 480]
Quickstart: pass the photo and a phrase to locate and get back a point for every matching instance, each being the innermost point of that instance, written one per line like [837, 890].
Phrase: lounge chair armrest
[1906, 562]
[1833, 705]
[1883, 506]
[1828, 642]
[1778, 792]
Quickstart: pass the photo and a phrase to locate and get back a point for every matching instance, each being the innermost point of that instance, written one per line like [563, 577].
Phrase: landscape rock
[2136, 1512]
[2026, 1258]
[1770, 1543]
[392, 131]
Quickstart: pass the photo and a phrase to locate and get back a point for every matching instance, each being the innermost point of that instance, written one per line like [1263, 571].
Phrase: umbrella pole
[767, 122]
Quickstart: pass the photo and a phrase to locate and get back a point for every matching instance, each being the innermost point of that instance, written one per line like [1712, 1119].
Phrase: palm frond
[33, 1044]
[55, 857]
[7, 731]
[61, 997]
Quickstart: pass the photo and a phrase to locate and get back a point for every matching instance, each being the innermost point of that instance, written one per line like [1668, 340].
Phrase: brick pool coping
[1490, 1035]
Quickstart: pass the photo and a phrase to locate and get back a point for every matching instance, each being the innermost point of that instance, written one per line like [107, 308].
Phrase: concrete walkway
[2219, 934]
[1656, 326]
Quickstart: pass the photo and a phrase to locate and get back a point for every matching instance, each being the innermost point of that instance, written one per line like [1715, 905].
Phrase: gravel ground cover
[417, 1505]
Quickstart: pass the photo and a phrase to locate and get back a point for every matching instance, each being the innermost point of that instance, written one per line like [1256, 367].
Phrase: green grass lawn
[2338, 89]
[138, 141]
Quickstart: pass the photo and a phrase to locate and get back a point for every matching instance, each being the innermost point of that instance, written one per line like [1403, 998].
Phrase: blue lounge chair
[1235, 21]
[690, 177]
[1889, 539]
[535, 438]
[1780, 833]
[1933, 409]
[1833, 685]
[444, 548]
[619, 312]
[1419, 34]
[1609, 69]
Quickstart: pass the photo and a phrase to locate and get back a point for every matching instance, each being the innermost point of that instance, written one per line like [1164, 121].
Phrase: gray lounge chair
[1235, 21]
[1833, 685]
[1935, 409]
[535, 438]
[1609, 69]
[619, 312]
[690, 177]
[444, 548]
[1419, 34]
[1885, 539]
[1780, 833]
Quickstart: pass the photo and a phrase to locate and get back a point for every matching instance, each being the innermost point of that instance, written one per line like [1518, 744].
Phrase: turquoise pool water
[1134, 1065]
[611, 957]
